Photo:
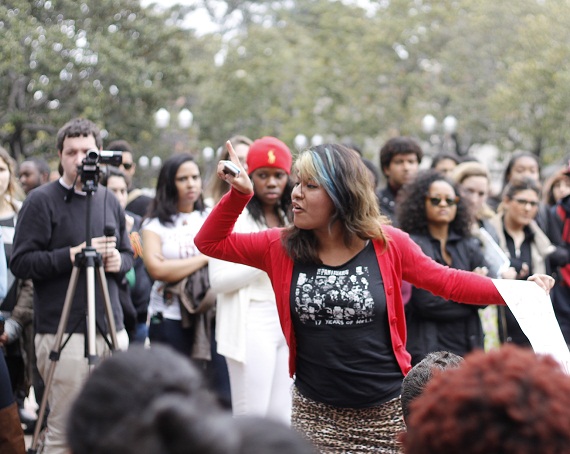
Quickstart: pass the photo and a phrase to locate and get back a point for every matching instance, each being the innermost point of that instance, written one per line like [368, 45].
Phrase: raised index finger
[233, 156]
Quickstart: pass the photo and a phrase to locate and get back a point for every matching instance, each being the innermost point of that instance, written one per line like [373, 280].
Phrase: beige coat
[540, 248]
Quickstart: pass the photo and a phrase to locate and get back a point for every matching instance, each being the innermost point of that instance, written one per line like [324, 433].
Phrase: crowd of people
[287, 305]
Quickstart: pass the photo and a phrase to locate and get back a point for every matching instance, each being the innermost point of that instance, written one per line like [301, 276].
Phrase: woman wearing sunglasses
[439, 221]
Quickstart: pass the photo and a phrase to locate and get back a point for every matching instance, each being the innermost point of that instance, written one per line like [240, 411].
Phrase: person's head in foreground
[419, 376]
[507, 401]
[148, 401]
[266, 436]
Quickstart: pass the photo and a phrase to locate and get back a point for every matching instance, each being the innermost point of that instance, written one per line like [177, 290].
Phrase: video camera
[90, 166]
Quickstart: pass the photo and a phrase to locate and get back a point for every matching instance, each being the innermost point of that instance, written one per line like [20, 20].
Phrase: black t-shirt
[344, 353]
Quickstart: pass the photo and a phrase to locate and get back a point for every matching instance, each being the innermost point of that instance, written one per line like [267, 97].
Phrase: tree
[110, 61]
[284, 68]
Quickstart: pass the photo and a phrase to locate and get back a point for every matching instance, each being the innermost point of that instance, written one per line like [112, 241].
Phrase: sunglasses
[127, 165]
[436, 201]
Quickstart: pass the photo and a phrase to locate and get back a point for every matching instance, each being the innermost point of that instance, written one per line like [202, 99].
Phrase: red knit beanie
[269, 152]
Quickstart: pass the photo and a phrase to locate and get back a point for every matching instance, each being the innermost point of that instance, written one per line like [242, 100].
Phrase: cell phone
[231, 169]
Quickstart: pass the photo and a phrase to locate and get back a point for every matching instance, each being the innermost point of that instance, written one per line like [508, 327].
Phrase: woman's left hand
[544, 281]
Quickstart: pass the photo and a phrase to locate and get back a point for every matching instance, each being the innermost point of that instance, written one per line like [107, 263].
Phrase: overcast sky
[198, 20]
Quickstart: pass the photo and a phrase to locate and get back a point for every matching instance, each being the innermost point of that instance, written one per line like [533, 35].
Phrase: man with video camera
[51, 231]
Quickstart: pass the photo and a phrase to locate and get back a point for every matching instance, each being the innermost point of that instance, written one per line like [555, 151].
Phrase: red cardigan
[402, 259]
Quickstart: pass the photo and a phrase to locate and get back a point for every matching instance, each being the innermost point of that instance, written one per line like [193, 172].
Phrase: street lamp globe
[450, 124]
[208, 154]
[162, 118]
[185, 118]
[144, 162]
[300, 141]
[316, 140]
[156, 162]
[429, 123]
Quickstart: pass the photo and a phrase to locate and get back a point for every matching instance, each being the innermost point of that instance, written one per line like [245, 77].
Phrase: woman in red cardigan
[337, 274]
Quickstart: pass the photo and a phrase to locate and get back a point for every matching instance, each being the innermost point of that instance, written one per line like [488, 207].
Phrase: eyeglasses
[525, 202]
[127, 165]
[436, 201]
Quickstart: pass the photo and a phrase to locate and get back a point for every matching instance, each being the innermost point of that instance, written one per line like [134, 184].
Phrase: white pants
[71, 371]
[261, 386]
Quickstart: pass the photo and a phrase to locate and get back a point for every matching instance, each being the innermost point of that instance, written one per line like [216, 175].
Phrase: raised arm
[220, 223]
[457, 285]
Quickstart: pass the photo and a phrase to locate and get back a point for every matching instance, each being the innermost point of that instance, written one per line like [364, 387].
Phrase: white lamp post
[144, 162]
[208, 154]
[156, 162]
[317, 139]
[450, 124]
[429, 123]
[162, 118]
[442, 137]
[300, 141]
[185, 118]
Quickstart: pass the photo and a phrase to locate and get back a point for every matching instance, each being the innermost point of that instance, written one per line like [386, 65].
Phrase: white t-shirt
[177, 243]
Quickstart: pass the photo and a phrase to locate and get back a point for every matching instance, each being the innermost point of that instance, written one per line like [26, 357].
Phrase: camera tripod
[91, 261]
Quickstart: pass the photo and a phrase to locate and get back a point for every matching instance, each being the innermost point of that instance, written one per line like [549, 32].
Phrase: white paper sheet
[532, 308]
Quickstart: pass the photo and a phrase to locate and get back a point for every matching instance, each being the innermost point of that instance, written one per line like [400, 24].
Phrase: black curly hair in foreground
[411, 206]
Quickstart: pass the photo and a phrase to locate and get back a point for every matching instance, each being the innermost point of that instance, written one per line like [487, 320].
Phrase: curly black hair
[411, 205]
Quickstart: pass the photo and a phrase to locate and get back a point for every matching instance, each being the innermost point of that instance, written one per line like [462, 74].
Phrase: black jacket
[387, 202]
[435, 323]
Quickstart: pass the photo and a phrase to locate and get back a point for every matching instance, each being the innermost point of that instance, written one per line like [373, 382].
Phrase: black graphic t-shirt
[344, 353]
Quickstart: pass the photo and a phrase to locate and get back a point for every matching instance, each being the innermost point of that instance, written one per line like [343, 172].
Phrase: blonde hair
[473, 169]
[14, 191]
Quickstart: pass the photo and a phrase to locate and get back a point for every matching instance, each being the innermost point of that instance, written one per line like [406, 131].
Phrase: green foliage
[287, 68]
[110, 61]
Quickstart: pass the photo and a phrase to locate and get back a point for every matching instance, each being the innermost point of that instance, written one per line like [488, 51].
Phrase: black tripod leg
[108, 308]
[54, 354]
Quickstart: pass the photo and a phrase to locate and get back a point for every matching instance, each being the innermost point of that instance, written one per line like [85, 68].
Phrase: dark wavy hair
[411, 205]
[507, 401]
[164, 206]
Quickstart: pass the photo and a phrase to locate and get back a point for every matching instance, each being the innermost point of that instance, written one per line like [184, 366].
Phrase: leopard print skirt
[336, 430]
